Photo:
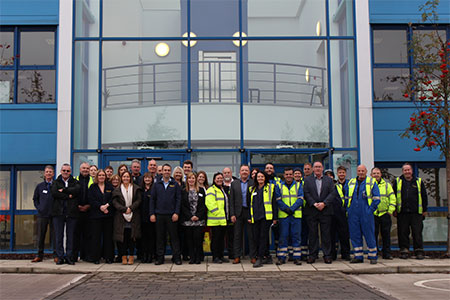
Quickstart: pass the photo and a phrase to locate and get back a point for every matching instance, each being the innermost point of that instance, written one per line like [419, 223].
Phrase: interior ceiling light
[162, 49]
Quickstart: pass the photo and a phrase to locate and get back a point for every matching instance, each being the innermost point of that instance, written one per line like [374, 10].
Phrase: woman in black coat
[193, 217]
[127, 199]
[101, 215]
[148, 238]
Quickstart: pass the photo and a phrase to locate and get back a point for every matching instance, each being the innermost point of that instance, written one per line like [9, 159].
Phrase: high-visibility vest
[387, 199]
[215, 202]
[399, 194]
[340, 189]
[289, 196]
[370, 182]
[91, 180]
[267, 199]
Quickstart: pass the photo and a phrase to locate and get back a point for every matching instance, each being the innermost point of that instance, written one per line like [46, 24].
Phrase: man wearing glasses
[65, 191]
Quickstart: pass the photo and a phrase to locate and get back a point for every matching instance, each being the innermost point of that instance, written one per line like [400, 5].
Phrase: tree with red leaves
[429, 88]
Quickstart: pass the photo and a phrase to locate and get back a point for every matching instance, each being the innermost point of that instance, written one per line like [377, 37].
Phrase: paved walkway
[383, 266]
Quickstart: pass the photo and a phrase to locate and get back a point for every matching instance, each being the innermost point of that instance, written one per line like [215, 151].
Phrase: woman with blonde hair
[193, 217]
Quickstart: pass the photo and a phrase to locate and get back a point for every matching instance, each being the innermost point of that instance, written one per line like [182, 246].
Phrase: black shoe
[356, 261]
[159, 262]
[304, 258]
[69, 261]
[178, 262]
[297, 262]
[60, 261]
[186, 258]
[311, 260]
[404, 255]
[197, 262]
[280, 262]
[258, 263]
[267, 260]
[373, 261]
[118, 259]
[191, 262]
[389, 257]
[420, 256]
[290, 258]
[96, 262]
[109, 261]
[217, 260]
[327, 260]
[346, 258]
[225, 260]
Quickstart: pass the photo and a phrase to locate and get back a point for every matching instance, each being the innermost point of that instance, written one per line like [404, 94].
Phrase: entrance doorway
[115, 160]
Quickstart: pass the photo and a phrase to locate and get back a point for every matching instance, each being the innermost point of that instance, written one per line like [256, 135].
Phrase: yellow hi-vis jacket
[215, 203]
[387, 198]
[268, 192]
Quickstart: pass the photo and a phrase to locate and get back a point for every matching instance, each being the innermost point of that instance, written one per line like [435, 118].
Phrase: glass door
[115, 160]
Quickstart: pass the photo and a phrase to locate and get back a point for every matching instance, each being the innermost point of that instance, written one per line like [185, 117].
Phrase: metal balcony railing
[213, 82]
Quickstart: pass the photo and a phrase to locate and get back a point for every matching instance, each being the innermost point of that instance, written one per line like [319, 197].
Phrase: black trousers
[407, 223]
[42, 224]
[164, 225]
[83, 237]
[238, 243]
[313, 235]
[102, 238]
[383, 224]
[148, 239]
[218, 240]
[127, 246]
[194, 240]
[261, 230]
[184, 248]
[230, 241]
[339, 233]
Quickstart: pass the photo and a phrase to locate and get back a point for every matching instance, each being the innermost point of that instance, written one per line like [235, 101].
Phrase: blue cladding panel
[403, 11]
[388, 124]
[29, 12]
[27, 136]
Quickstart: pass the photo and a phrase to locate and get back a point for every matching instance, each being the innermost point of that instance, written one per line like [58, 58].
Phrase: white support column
[64, 83]
[366, 134]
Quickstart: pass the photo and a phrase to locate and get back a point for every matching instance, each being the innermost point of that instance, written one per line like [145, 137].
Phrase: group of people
[139, 214]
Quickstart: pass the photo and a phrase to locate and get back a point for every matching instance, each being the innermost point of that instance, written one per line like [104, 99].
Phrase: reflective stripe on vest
[340, 189]
[399, 194]
[267, 200]
[289, 196]
[369, 186]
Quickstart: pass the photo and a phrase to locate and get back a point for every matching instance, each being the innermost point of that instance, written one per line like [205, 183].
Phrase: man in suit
[239, 211]
[319, 194]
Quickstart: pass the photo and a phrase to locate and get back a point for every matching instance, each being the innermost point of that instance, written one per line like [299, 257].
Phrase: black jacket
[186, 214]
[165, 201]
[63, 204]
[327, 195]
[410, 195]
[236, 197]
[145, 205]
[43, 199]
[97, 198]
[84, 187]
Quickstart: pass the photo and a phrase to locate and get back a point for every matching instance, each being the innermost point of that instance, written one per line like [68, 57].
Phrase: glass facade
[234, 75]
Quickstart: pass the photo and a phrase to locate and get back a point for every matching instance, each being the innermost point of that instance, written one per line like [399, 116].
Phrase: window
[27, 64]
[392, 63]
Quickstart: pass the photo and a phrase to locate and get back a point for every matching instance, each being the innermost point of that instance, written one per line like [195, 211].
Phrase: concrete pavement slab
[289, 266]
[335, 266]
[34, 286]
[117, 268]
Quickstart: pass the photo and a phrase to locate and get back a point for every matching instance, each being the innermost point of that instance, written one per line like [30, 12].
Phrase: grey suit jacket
[236, 197]
[327, 195]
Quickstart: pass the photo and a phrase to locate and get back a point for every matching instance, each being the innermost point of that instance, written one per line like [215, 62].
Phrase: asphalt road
[409, 286]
